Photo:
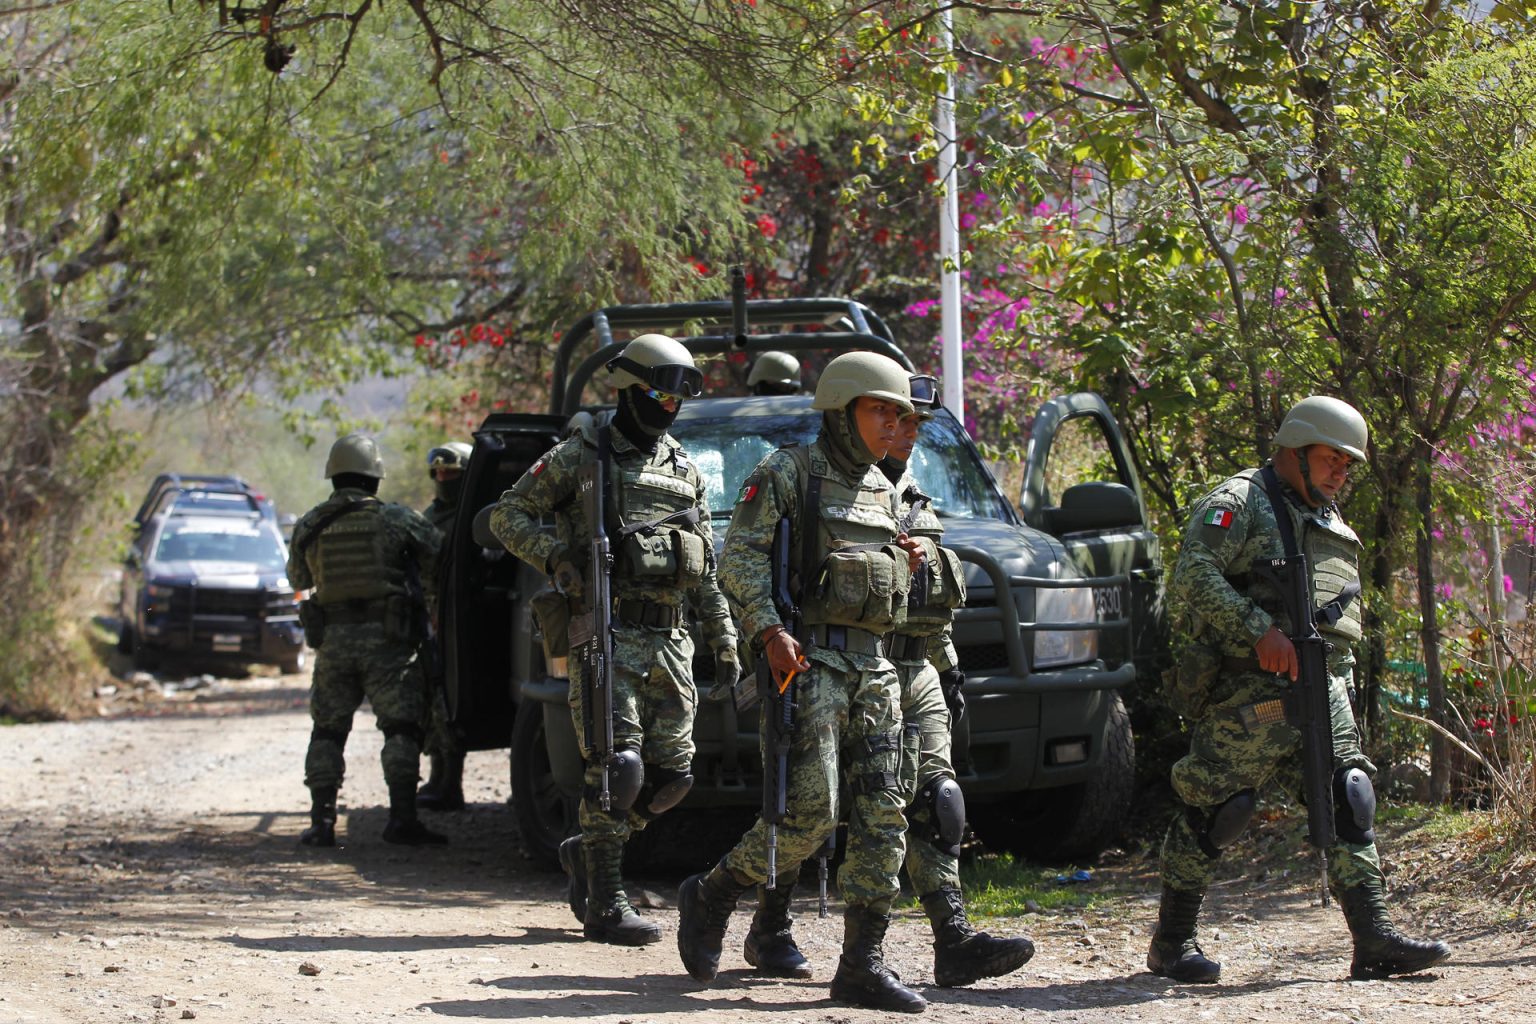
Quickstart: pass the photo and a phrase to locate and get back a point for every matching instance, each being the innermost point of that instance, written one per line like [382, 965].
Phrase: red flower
[767, 225]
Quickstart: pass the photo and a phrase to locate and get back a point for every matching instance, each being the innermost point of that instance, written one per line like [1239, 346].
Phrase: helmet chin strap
[1315, 496]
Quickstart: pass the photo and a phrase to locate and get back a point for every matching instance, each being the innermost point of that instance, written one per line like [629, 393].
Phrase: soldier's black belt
[354, 613]
[634, 612]
[900, 647]
[1235, 664]
[845, 638]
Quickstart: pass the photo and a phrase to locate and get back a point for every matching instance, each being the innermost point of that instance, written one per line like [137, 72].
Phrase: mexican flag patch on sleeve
[748, 492]
[1221, 517]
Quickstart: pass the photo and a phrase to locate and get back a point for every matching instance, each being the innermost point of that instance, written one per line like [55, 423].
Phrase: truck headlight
[1054, 648]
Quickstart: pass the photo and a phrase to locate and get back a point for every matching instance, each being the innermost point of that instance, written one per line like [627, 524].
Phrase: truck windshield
[727, 448]
[255, 544]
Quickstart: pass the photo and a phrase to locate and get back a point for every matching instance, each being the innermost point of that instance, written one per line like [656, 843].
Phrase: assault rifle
[591, 640]
[779, 705]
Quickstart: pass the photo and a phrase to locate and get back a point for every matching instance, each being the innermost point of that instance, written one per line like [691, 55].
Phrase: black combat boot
[574, 863]
[961, 954]
[704, 905]
[444, 789]
[610, 917]
[863, 978]
[1380, 949]
[770, 945]
[322, 818]
[403, 827]
[1175, 953]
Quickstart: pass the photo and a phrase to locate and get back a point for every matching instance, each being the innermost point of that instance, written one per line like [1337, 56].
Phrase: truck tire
[544, 814]
[1068, 823]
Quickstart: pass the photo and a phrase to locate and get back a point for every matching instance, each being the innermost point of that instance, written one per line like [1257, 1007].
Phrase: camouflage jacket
[549, 488]
[772, 491]
[440, 514]
[406, 541]
[1213, 592]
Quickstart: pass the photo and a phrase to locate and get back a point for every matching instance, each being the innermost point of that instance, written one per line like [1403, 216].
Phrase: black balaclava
[356, 482]
[641, 419]
[845, 447]
[893, 468]
[448, 491]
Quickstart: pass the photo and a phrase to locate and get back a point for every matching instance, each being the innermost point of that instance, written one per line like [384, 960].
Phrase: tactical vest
[355, 559]
[1333, 562]
[939, 587]
[659, 543]
[1333, 556]
[863, 578]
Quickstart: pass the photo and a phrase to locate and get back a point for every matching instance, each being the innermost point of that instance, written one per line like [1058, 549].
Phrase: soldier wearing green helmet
[774, 373]
[1233, 659]
[852, 571]
[367, 565]
[444, 788]
[663, 577]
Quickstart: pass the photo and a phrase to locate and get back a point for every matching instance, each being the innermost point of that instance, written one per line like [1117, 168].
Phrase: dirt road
[150, 873]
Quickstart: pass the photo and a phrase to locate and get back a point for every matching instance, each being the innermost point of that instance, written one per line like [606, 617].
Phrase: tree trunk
[1429, 628]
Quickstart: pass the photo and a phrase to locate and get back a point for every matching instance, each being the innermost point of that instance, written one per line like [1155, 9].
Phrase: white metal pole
[949, 232]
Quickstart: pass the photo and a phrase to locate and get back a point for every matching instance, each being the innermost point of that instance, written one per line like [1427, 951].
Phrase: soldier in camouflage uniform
[932, 690]
[664, 572]
[1235, 660]
[370, 565]
[848, 705]
[444, 788]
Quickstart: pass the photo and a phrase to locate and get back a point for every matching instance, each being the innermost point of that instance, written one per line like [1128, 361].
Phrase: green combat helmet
[776, 373]
[355, 453]
[860, 375]
[658, 362]
[1323, 420]
[453, 455]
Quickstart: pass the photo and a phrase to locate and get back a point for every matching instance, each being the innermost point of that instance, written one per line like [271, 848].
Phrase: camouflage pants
[848, 719]
[359, 661]
[654, 701]
[1227, 757]
[923, 709]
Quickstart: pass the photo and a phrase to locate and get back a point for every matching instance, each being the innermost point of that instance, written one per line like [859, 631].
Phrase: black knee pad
[411, 729]
[1354, 806]
[337, 736]
[945, 803]
[664, 789]
[1221, 826]
[626, 776]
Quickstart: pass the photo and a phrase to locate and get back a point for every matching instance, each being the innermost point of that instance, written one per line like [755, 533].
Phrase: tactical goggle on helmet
[669, 379]
[925, 390]
[449, 456]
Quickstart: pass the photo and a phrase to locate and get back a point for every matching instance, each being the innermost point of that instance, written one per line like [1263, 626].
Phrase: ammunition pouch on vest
[864, 586]
[666, 555]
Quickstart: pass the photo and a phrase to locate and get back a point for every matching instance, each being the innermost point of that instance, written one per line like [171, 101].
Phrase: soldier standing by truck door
[368, 563]
[853, 570]
[1235, 663]
[663, 568]
[444, 788]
